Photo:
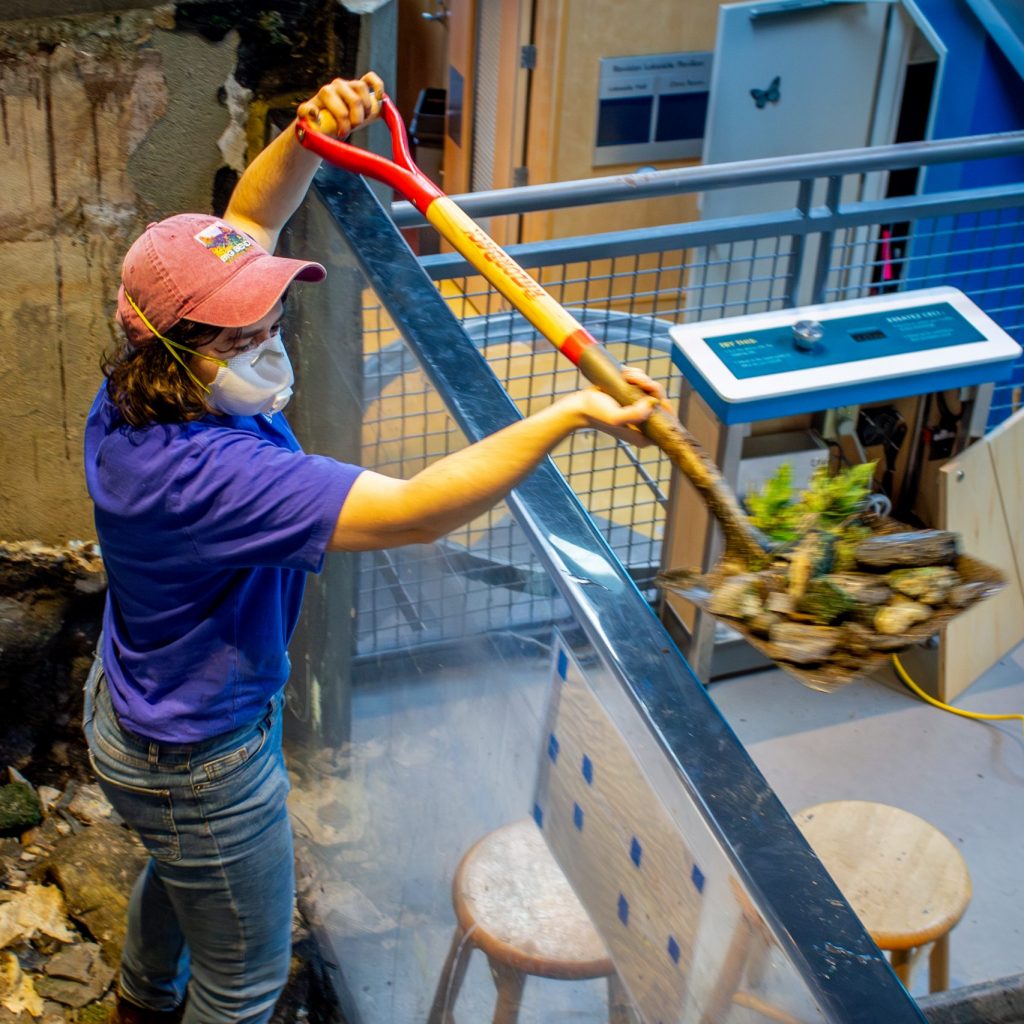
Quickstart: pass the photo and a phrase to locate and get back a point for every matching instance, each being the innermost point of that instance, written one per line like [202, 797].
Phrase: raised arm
[382, 512]
[274, 184]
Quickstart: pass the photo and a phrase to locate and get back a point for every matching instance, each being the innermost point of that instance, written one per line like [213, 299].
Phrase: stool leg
[901, 963]
[450, 982]
[619, 1011]
[509, 982]
[731, 974]
[938, 965]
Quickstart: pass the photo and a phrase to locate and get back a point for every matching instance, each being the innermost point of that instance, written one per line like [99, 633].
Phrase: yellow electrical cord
[902, 673]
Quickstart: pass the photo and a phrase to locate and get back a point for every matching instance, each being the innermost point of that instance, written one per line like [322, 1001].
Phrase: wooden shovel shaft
[552, 320]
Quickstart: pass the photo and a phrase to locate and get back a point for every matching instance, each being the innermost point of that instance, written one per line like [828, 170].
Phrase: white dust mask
[256, 381]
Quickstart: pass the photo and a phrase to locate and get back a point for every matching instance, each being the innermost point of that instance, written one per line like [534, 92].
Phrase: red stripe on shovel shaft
[575, 343]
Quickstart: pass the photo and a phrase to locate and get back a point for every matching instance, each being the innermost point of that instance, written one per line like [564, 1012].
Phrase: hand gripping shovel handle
[562, 329]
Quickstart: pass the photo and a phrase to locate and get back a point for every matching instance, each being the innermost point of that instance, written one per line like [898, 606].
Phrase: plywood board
[619, 848]
[1005, 444]
[686, 935]
[982, 499]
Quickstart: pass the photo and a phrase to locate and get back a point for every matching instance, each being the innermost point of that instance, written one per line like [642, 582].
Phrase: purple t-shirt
[207, 531]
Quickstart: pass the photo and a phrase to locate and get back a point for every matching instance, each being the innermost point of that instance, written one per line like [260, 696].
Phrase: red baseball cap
[200, 268]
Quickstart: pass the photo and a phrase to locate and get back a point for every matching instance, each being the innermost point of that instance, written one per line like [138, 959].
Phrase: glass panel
[513, 674]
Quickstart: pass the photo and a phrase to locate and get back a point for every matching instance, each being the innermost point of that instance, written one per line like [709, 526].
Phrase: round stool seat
[513, 902]
[904, 879]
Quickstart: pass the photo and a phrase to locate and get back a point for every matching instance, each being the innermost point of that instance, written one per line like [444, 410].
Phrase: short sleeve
[245, 502]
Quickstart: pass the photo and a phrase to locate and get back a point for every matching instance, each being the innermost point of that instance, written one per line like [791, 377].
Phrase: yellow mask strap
[173, 346]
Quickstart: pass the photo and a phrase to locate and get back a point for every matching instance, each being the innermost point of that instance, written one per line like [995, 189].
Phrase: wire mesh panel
[628, 302]
[628, 289]
[478, 578]
[976, 250]
[483, 575]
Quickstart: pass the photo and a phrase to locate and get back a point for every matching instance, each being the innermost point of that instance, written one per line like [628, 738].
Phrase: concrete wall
[111, 118]
[107, 121]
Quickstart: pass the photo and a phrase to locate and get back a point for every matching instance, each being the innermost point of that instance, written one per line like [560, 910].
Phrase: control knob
[807, 335]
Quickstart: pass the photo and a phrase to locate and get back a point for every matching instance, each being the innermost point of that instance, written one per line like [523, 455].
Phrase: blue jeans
[212, 910]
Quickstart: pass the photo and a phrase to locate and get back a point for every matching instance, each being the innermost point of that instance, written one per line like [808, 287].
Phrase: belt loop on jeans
[154, 756]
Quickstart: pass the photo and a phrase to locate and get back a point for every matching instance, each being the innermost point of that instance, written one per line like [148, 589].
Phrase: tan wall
[571, 37]
[107, 122]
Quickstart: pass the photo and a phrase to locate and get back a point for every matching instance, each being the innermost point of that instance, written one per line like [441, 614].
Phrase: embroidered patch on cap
[223, 241]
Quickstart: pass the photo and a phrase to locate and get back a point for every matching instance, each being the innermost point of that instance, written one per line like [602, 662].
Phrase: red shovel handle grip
[400, 173]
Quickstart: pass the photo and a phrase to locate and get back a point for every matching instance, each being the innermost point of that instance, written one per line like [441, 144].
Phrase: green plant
[831, 500]
[772, 509]
[826, 504]
[94, 1013]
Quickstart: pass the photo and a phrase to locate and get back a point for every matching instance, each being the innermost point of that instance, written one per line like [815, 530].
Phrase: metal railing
[834, 242]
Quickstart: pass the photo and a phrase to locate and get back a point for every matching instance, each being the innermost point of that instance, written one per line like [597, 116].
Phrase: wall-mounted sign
[651, 107]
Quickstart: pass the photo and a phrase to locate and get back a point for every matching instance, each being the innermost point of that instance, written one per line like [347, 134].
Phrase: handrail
[633, 241]
[650, 184]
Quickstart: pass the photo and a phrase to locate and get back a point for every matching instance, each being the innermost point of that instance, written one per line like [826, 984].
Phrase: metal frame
[800, 223]
[812, 923]
[651, 184]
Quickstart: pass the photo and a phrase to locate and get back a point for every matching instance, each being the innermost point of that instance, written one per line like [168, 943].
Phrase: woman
[209, 516]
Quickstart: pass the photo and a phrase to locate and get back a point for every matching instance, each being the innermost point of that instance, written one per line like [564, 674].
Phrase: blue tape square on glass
[538, 815]
[587, 767]
[673, 948]
[623, 909]
[697, 877]
[635, 851]
[553, 748]
[563, 664]
[577, 816]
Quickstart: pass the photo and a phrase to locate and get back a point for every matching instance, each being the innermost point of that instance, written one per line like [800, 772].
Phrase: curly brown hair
[148, 385]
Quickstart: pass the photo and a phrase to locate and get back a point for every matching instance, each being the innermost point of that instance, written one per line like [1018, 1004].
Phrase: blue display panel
[789, 361]
[847, 339]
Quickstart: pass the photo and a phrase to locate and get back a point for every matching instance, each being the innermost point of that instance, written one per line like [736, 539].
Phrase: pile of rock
[67, 865]
[835, 605]
[809, 611]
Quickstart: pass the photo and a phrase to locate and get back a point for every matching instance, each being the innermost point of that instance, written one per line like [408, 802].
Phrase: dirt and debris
[67, 861]
[51, 605]
[54, 960]
[64, 889]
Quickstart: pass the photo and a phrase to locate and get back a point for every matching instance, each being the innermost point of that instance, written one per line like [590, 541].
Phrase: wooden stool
[513, 902]
[904, 879]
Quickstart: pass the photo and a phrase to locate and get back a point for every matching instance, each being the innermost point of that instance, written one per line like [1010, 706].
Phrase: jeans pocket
[222, 769]
[149, 811]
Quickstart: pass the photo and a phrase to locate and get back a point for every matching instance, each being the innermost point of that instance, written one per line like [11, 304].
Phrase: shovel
[746, 549]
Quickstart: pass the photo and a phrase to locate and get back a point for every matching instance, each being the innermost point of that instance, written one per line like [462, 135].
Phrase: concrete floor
[874, 740]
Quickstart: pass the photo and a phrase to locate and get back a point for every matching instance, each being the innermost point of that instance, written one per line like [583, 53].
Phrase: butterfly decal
[762, 97]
